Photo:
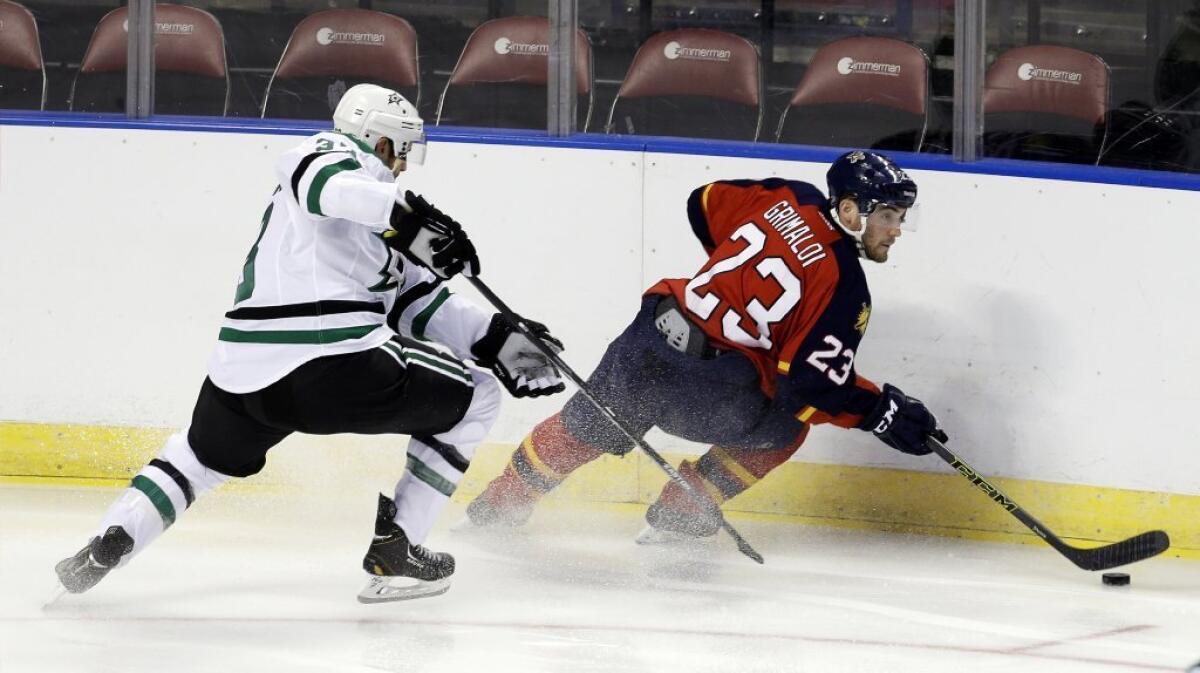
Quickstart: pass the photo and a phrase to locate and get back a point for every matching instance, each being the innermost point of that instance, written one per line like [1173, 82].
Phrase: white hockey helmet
[370, 112]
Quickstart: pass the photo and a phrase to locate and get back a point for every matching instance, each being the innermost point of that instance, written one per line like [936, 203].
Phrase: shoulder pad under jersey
[805, 193]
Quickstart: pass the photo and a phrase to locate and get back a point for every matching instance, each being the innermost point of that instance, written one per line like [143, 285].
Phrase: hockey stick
[1137, 548]
[704, 502]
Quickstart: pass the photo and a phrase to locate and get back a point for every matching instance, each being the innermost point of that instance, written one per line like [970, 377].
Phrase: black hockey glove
[523, 369]
[420, 209]
[902, 422]
[430, 238]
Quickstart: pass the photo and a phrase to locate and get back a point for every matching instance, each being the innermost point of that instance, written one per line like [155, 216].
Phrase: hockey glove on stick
[902, 422]
[420, 209]
[523, 369]
[429, 237]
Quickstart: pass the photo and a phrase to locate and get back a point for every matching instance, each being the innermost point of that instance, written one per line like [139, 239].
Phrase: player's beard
[877, 252]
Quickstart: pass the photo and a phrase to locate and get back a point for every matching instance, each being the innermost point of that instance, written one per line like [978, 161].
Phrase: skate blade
[382, 589]
[651, 536]
[59, 592]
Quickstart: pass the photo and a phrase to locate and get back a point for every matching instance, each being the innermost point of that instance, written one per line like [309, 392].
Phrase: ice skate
[401, 571]
[671, 527]
[89, 565]
[505, 503]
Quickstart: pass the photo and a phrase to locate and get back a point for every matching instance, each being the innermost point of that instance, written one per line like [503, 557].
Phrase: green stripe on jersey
[313, 336]
[421, 321]
[361, 145]
[426, 474]
[322, 177]
[159, 498]
[246, 287]
[458, 373]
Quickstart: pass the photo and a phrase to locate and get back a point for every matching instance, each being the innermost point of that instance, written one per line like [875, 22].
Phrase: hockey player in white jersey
[341, 323]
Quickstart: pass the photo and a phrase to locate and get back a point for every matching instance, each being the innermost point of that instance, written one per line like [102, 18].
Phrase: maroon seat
[693, 82]
[501, 76]
[22, 72]
[189, 59]
[860, 92]
[331, 51]
[1046, 102]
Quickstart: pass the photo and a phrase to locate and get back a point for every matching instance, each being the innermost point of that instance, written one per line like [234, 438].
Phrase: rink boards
[837, 495]
[1046, 321]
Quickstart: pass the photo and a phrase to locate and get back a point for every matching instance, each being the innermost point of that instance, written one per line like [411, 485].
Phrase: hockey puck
[1115, 579]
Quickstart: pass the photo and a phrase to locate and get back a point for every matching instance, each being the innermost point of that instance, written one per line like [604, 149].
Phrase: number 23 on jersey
[769, 269]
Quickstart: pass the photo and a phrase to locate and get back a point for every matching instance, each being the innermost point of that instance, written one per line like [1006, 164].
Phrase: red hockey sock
[723, 473]
[554, 452]
[543, 460]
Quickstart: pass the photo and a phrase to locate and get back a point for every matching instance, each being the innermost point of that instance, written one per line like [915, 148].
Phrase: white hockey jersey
[320, 280]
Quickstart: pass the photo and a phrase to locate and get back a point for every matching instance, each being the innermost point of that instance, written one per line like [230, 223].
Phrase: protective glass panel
[869, 73]
[46, 62]
[295, 59]
[1108, 82]
[484, 64]
[670, 68]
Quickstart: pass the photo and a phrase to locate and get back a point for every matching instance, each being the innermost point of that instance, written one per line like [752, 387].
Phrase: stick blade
[59, 592]
[1136, 548]
[749, 551]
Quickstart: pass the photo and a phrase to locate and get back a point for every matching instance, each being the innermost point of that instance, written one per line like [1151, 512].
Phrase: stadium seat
[500, 78]
[1046, 103]
[189, 59]
[693, 82]
[331, 51]
[860, 92]
[22, 72]
[1163, 134]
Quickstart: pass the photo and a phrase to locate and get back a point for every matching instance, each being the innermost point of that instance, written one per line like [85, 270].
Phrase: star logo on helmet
[856, 157]
[394, 99]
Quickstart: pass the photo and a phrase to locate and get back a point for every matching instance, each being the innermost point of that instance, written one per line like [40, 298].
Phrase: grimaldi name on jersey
[783, 218]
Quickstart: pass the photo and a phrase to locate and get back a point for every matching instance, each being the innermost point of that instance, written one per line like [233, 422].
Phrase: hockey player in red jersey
[747, 354]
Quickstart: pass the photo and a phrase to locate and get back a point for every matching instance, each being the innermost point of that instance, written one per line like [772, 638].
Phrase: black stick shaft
[1136, 548]
[995, 494]
[562, 366]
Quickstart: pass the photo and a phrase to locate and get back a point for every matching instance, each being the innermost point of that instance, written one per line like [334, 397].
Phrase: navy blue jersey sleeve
[821, 377]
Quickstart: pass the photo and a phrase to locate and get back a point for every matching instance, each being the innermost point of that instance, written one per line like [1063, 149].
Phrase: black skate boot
[400, 570]
[86, 568]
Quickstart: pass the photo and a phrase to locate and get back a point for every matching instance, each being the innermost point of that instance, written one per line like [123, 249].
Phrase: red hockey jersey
[782, 285]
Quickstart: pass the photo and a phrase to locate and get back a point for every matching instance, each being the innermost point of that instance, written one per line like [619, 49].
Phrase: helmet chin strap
[856, 235]
[399, 165]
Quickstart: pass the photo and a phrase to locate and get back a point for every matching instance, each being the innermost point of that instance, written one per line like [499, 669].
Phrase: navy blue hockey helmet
[870, 179]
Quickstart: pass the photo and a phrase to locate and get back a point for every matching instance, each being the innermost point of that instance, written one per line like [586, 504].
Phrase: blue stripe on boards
[600, 141]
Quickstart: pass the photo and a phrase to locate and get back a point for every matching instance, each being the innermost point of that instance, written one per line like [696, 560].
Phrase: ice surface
[267, 581]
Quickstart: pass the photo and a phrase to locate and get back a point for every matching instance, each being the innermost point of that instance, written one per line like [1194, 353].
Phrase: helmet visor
[912, 218]
[892, 216]
[900, 196]
[415, 152]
